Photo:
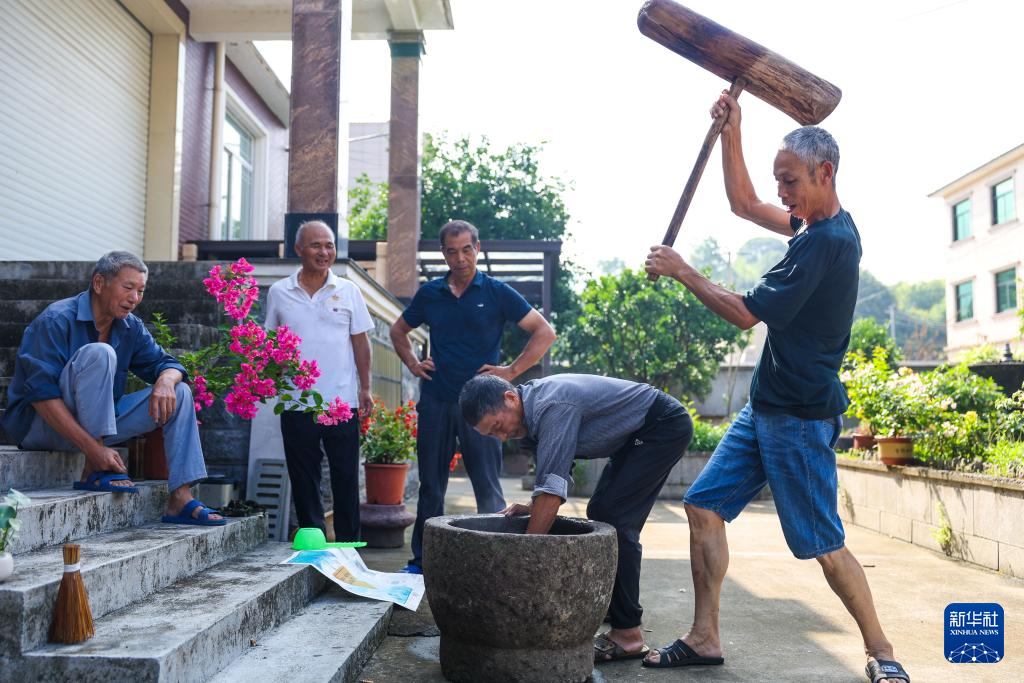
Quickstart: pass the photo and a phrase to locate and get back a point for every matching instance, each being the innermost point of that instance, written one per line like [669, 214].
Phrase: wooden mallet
[747, 65]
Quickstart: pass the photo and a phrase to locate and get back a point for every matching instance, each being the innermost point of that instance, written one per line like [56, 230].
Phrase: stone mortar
[513, 607]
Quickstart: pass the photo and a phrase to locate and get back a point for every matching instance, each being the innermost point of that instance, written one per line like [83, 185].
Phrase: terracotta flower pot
[863, 441]
[155, 459]
[895, 450]
[385, 484]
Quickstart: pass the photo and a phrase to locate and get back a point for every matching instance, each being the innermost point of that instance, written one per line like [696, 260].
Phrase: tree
[612, 266]
[874, 299]
[707, 257]
[656, 333]
[755, 258]
[368, 215]
[866, 335]
[504, 194]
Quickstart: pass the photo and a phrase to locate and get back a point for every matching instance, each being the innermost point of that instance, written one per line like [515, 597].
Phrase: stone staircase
[170, 602]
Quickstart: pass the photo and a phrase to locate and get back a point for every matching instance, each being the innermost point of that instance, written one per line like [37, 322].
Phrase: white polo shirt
[325, 322]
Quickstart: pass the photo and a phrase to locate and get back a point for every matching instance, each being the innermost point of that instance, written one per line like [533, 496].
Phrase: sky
[931, 90]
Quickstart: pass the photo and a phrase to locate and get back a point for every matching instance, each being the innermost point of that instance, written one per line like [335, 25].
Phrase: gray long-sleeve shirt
[579, 416]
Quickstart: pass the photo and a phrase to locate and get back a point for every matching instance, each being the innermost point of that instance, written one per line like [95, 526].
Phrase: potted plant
[894, 403]
[388, 445]
[9, 525]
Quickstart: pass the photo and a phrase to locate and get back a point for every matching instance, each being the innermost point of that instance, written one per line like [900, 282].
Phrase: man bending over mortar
[641, 430]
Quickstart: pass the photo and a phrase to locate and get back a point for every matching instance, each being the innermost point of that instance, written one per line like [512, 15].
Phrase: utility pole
[892, 322]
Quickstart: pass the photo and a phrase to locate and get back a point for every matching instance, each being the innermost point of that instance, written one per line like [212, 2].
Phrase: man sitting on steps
[67, 392]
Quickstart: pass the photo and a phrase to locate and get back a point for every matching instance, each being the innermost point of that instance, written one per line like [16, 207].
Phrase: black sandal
[881, 669]
[680, 654]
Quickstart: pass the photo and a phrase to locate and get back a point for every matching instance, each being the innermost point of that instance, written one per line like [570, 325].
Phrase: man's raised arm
[743, 200]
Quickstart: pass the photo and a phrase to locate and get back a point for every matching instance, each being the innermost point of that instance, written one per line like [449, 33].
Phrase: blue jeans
[440, 422]
[795, 458]
[87, 389]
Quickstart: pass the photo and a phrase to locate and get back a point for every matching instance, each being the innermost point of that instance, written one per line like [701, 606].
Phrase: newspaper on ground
[344, 567]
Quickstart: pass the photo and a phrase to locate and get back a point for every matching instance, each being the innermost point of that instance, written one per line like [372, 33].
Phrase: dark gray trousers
[626, 492]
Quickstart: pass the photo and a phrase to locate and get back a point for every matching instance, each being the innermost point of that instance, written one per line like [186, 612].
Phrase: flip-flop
[202, 519]
[100, 481]
[680, 654]
[881, 669]
[607, 650]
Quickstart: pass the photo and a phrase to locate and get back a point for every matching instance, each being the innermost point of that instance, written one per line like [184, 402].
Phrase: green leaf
[18, 498]
[286, 397]
[278, 409]
[7, 513]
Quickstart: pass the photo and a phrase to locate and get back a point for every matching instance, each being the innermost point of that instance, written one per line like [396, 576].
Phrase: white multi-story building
[986, 251]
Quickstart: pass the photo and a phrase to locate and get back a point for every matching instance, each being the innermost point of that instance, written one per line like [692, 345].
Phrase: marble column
[403, 165]
[314, 126]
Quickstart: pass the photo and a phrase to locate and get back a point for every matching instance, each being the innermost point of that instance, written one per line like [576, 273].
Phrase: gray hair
[302, 228]
[483, 395]
[457, 227]
[813, 146]
[111, 263]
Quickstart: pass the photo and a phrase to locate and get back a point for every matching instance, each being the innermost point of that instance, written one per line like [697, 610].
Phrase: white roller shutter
[74, 120]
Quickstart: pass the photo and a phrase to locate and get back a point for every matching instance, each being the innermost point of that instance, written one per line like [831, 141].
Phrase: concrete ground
[780, 621]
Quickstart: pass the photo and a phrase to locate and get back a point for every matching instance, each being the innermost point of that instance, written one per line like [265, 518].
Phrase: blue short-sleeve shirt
[53, 337]
[807, 302]
[465, 331]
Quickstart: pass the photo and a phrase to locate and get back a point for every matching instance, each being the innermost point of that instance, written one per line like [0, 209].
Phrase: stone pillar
[313, 129]
[404, 165]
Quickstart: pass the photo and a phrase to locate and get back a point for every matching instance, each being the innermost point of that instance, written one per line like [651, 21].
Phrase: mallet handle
[698, 170]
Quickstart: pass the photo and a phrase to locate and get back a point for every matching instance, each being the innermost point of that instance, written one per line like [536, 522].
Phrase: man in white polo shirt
[329, 314]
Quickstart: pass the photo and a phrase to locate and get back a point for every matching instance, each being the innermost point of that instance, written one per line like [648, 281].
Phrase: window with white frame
[1006, 290]
[1002, 202]
[962, 220]
[964, 301]
[236, 200]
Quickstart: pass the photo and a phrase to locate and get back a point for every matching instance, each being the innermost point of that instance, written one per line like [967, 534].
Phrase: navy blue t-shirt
[807, 302]
[465, 331]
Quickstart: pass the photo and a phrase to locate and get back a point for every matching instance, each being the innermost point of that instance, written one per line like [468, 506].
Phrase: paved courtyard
[780, 621]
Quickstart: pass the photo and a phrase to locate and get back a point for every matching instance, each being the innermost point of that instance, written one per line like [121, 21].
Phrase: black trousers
[626, 492]
[302, 438]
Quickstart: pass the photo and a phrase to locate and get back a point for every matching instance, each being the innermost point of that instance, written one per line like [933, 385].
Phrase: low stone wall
[979, 518]
[587, 472]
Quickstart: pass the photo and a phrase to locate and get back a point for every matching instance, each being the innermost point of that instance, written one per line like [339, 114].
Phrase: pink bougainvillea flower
[337, 411]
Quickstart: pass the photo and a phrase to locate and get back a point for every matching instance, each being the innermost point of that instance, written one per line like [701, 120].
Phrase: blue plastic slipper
[100, 481]
[202, 519]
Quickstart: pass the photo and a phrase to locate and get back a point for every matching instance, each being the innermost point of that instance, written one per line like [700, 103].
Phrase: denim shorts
[795, 458]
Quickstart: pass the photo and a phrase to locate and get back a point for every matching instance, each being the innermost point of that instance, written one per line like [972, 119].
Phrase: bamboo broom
[72, 618]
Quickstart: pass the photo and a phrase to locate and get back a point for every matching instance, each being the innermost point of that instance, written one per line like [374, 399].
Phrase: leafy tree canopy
[657, 333]
[368, 213]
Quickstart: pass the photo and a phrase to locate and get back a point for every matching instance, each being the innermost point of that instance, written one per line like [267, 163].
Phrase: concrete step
[189, 336]
[81, 271]
[202, 310]
[26, 470]
[63, 514]
[188, 631]
[348, 630]
[119, 569]
[52, 289]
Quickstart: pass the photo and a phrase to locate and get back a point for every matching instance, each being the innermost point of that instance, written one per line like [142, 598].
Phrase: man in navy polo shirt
[785, 435]
[466, 311]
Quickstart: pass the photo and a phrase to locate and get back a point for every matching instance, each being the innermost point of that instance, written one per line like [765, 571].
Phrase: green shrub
[1005, 458]
[705, 435]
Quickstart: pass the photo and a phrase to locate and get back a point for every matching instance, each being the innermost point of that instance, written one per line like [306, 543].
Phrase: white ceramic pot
[6, 565]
